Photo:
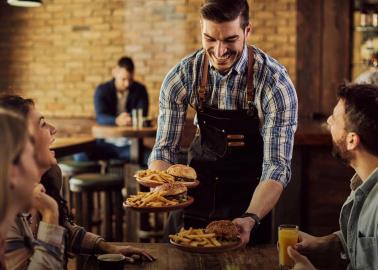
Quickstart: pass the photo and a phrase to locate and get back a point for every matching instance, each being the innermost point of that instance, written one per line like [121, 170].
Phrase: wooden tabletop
[102, 132]
[171, 258]
[70, 145]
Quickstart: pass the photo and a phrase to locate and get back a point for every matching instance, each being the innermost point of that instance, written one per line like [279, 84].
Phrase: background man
[114, 101]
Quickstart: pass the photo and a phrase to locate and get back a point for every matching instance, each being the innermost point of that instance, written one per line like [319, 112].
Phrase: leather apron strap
[205, 74]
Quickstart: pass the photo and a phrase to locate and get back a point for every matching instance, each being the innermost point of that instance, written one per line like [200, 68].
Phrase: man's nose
[220, 49]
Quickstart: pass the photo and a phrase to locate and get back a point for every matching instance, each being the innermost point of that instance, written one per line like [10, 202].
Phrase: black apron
[227, 154]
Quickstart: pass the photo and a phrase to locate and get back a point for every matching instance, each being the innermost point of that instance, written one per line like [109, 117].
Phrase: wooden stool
[85, 186]
[70, 168]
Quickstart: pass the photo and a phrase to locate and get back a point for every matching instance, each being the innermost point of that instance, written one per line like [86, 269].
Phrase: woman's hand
[45, 205]
[133, 254]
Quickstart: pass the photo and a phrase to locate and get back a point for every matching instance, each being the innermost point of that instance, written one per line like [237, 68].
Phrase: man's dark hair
[225, 11]
[16, 104]
[126, 63]
[361, 113]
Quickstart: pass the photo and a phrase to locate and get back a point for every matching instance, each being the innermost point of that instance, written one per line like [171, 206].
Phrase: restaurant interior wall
[59, 52]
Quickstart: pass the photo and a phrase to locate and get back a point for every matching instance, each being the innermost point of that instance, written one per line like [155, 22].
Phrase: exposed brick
[58, 53]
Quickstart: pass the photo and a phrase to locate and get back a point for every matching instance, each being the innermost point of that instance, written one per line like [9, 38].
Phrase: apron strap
[250, 88]
[204, 79]
[203, 86]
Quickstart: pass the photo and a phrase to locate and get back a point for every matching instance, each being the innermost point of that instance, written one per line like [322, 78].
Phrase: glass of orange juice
[287, 236]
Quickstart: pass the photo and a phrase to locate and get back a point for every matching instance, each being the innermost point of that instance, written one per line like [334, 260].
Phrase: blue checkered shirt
[275, 99]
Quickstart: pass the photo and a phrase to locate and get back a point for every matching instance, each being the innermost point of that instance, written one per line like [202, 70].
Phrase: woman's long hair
[13, 135]
[52, 181]
[22, 106]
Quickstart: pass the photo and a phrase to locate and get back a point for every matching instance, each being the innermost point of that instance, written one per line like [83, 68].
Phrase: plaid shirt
[275, 99]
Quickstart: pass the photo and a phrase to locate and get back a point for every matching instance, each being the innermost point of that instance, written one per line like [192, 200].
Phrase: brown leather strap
[204, 78]
[250, 88]
[235, 136]
[203, 86]
[235, 144]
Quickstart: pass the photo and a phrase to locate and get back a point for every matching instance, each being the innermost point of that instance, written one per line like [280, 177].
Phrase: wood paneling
[323, 53]
[309, 51]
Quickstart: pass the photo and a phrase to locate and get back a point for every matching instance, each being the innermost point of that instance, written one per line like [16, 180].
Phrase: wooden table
[171, 258]
[70, 145]
[107, 132]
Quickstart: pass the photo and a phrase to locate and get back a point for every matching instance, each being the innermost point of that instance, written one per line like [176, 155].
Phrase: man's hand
[308, 243]
[300, 262]
[159, 165]
[245, 226]
[45, 205]
[133, 254]
[123, 119]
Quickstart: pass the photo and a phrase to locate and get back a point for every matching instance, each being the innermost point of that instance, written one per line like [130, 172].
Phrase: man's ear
[247, 30]
[352, 141]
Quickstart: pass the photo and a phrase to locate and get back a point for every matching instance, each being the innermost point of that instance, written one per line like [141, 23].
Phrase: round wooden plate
[226, 246]
[162, 208]
[149, 184]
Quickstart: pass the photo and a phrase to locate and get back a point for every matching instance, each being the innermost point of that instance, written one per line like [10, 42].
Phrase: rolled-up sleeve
[79, 240]
[44, 252]
[279, 124]
[173, 105]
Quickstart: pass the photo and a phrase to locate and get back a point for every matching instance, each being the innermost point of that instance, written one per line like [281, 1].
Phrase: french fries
[154, 176]
[149, 199]
[195, 238]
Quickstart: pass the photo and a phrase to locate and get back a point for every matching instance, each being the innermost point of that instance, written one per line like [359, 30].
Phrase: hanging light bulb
[25, 3]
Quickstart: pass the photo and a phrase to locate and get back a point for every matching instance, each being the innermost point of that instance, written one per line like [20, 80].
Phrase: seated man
[354, 130]
[114, 101]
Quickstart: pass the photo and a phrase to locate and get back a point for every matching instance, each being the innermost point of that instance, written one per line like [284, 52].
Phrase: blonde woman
[18, 172]
[77, 240]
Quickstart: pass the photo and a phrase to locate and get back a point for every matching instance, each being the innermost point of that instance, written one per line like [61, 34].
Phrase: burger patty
[183, 179]
[179, 197]
[223, 229]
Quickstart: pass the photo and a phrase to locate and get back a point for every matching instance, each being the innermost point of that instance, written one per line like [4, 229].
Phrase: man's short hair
[225, 11]
[126, 63]
[361, 113]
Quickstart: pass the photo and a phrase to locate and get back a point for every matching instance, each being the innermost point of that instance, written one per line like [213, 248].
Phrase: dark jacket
[105, 100]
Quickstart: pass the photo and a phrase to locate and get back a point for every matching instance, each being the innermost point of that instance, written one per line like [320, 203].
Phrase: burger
[182, 173]
[173, 191]
[224, 230]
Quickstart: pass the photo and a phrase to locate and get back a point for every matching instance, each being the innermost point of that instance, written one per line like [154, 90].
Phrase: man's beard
[340, 151]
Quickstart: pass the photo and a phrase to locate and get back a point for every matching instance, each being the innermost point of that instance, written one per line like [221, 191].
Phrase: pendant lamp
[25, 3]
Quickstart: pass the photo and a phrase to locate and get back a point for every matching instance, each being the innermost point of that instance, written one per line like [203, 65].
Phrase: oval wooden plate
[149, 184]
[162, 208]
[226, 246]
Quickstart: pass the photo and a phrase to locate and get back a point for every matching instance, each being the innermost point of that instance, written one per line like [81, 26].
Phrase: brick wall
[59, 52]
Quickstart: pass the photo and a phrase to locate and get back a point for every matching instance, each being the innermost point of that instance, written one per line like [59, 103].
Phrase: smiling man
[246, 118]
[354, 130]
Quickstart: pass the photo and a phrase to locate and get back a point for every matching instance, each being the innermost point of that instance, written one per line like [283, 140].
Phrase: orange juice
[287, 236]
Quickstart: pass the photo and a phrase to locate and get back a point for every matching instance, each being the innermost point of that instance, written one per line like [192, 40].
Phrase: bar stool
[116, 166]
[85, 187]
[70, 168]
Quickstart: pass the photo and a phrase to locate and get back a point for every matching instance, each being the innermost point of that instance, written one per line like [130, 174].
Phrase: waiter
[246, 117]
